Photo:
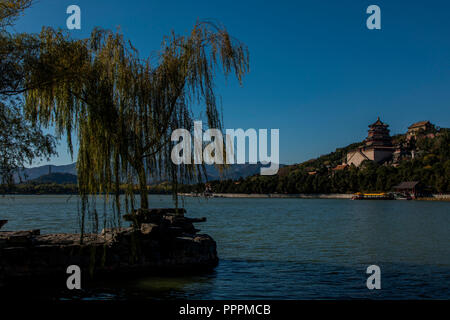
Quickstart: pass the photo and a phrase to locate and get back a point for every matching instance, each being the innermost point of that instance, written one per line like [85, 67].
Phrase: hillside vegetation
[431, 166]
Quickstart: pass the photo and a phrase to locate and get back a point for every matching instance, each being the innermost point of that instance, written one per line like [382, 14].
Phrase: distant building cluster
[378, 145]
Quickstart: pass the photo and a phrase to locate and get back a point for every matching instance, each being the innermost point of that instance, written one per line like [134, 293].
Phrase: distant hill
[57, 177]
[234, 171]
[36, 172]
[49, 172]
[430, 165]
[326, 161]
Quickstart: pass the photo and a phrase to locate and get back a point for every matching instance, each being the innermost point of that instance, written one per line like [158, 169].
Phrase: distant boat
[402, 197]
[372, 196]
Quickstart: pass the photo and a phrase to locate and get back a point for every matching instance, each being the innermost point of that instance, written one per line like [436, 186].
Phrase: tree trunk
[143, 187]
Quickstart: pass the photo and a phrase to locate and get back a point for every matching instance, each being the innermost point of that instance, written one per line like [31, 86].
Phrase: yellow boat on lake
[373, 196]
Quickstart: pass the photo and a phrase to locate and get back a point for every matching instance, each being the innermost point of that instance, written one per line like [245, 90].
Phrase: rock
[180, 211]
[21, 238]
[109, 233]
[170, 242]
[112, 230]
[166, 219]
[18, 240]
[35, 232]
[196, 219]
[175, 231]
[148, 228]
[152, 215]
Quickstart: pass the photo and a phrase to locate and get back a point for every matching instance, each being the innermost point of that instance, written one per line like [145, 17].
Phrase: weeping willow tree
[123, 108]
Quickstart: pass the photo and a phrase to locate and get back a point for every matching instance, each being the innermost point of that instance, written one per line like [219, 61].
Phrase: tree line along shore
[430, 166]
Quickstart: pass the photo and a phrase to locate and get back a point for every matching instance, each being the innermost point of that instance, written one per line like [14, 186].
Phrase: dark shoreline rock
[168, 243]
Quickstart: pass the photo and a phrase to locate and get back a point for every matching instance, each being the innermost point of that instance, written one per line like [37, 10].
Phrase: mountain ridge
[234, 172]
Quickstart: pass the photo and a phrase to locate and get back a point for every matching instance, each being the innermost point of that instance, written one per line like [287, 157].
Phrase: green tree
[20, 141]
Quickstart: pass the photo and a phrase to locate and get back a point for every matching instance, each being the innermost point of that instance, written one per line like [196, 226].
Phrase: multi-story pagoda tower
[377, 146]
[378, 135]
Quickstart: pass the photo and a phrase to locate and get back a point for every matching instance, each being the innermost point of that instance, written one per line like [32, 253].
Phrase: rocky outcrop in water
[159, 239]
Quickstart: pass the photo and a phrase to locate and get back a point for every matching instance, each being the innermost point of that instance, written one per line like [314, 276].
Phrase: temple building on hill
[377, 146]
[418, 127]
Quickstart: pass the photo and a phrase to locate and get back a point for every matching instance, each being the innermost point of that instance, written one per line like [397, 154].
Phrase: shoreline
[436, 197]
[273, 195]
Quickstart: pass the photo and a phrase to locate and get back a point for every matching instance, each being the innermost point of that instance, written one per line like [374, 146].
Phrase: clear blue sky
[317, 73]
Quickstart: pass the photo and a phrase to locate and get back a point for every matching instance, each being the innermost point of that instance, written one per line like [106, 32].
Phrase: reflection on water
[284, 248]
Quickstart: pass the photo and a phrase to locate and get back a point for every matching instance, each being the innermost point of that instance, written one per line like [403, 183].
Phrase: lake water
[285, 248]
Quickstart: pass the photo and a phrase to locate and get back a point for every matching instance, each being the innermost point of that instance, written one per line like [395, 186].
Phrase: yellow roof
[370, 194]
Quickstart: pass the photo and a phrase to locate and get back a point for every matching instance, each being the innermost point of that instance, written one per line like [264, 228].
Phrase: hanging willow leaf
[124, 108]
